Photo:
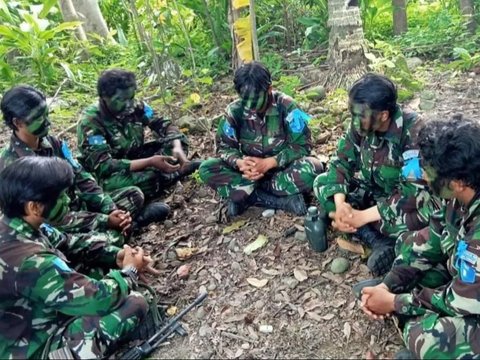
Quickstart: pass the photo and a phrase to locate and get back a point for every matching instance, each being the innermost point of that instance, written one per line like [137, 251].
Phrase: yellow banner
[238, 4]
[244, 31]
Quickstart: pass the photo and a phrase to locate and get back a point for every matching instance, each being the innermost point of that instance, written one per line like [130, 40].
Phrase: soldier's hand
[378, 301]
[178, 152]
[260, 165]
[340, 217]
[166, 164]
[132, 257]
[356, 219]
[243, 165]
[119, 220]
[147, 268]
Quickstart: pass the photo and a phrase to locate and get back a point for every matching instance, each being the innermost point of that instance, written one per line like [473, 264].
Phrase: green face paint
[38, 122]
[59, 209]
[440, 187]
[254, 101]
[364, 119]
[122, 101]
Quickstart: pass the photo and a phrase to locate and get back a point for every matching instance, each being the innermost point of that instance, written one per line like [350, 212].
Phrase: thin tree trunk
[467, 8]
[400, 25]
[216, 39]
[69, 14]
[253, 24]
[93, 21]
[233, 15]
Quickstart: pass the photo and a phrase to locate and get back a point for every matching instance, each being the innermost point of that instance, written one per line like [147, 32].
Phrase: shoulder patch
[297, 120]
[229, 130]
[61, 265]
[411, 170]
[67, 154]
[465, 263]
[147, 111]
[47, 229]
[96, 140]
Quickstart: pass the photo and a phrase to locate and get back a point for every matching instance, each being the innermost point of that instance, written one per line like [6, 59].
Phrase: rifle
[147, 347]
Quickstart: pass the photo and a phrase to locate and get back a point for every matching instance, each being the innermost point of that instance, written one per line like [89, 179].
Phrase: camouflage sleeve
[46, 278]
[460, 296]
[92, 194]
[299, 143]
[228, 145]
[96, 152]
[344, 163]
[163, 127]
[86, 220]
[420, 251]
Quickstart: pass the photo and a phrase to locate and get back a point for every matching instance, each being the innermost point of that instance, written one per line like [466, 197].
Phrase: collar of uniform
[394, 132]
[21, 227]
[22, 149]
[473, 208]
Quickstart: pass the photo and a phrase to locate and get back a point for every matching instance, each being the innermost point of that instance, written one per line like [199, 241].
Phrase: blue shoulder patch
[61, 265]
[229, 130]
[147, 110]
[96, 140]
[47, 229]
[297, 120]
[465, 263]
[412, 170]
[67, 154]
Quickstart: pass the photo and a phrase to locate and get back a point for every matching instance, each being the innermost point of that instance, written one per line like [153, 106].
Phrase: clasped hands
[347, 219]
[138, 258]
[254, 168]
[377, 302]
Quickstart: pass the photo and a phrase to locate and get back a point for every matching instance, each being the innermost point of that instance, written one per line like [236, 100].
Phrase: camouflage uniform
[282, 133]
[445, 319]
[107, 144]
[89, 204]
[45, 301]
[378, 158]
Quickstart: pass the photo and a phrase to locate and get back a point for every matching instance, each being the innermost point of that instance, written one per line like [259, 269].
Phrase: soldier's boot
[383, 250]
[236, 208]
[189, 167]
[153, 212]
[294, 204]
[358, 287]
[404, 354]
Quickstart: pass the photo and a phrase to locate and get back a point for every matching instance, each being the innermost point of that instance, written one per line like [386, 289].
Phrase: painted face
[38, 121]
[440, 187]
[59, 209]
[255, 101]
[364, 119]
[122, 101]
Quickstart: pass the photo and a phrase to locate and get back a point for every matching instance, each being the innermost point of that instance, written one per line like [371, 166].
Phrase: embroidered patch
[47, 229]
[412, 170]
[410, 154]
[147, 111]
[297, 119]
[67, 154]
[96, 140]
[465, 263]
[61, 265]
[229, 130]
[467, 272]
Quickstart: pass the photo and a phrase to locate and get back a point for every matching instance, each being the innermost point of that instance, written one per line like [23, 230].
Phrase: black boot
[189, 168]
[235, 208]
[153, 212]
[383, 250]
[294, 204]
[404, 354]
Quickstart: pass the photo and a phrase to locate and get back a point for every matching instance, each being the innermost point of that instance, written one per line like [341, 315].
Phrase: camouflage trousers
[296, 178]
[151, 182]
[432, 336]
[93, 337]
[128, 198]
[361, 199]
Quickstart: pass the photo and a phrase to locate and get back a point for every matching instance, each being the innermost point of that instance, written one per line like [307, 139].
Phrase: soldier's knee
[318, 166]
[208, 167]
[136, 305]
[318, 185]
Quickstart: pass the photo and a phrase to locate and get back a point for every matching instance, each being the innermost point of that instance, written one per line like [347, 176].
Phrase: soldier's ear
[18, 123]
[34, 209]
[384, 116]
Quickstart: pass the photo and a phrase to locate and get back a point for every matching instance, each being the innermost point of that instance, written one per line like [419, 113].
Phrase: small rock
[300, 236]
[200, 314]
[206, 354]
[202, 289]
[427, 95]
[472, 74]
[232, 245]
[469, 80]
[171, 255]
[290, 282]
[168, 224]
[202, 192]
[245, 346]
[268, 213]
[266, 329]
[339, 265]
[236, 266]
[212, 286]
[316, 93]
[188, 211]
[183, 271]
[204, 330]
[202, 273]
[426, 104]
[259, 304]
[212, 219]
[414, 62]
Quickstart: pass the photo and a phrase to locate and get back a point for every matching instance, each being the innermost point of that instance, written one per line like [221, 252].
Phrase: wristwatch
[131, 271]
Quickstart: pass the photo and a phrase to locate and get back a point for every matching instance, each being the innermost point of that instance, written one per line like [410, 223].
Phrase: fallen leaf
[172, 310]
[350, 246]
[314, 316]
[183, 271]
[300, 275]
[301, 312]
[185, 253]
[235, 318]
[257, 244]
[258, 283]
[313, 304]
[347, 330]
[235, 226]
[277, 251]
[328, 317]
[270, 272]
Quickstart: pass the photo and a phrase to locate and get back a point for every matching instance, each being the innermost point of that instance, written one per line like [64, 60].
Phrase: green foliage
[464, 60]
[287, 84]
[196, 177]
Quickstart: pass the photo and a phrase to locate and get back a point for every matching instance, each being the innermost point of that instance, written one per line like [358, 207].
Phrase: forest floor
[312, 312]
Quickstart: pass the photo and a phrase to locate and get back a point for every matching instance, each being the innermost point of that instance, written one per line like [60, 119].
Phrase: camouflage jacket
[379, 161]
[106, 142]
[454, 240]
[282, 132]
[85, 192]
[40, 292]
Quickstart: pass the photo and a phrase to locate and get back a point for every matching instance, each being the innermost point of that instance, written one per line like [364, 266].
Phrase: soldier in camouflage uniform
[377, 205]
[263, 142]
[46, 305]
[441, 322]
[112, 143]
[25, 111]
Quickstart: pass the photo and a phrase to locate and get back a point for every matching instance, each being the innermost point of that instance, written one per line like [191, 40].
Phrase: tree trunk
[253, 24]
[400, 25]
[347, 47]
[93, 21]
[467, 9]
[69, 14]
[233, 15]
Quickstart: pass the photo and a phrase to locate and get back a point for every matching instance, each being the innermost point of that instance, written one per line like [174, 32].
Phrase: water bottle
[315, 230]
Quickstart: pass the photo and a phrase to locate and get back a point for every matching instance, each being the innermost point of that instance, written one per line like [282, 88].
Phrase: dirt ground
[311, 311]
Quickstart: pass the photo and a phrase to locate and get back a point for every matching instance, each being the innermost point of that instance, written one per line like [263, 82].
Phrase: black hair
[113, 79]
[33, 178]
[253, 76]
[452, 149]
[376, 91]
[18, 103]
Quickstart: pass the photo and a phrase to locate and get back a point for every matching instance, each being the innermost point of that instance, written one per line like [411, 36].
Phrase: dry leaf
[328, 317]
[172, 310]
[347, 330]
[257, 244]
[313, 304]
[235, 226]
[258, 283]
[270, 272]
[350, 246]
[300, 275]
[301, 312]
[185, 253]
[314, 316]
[235, 318]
